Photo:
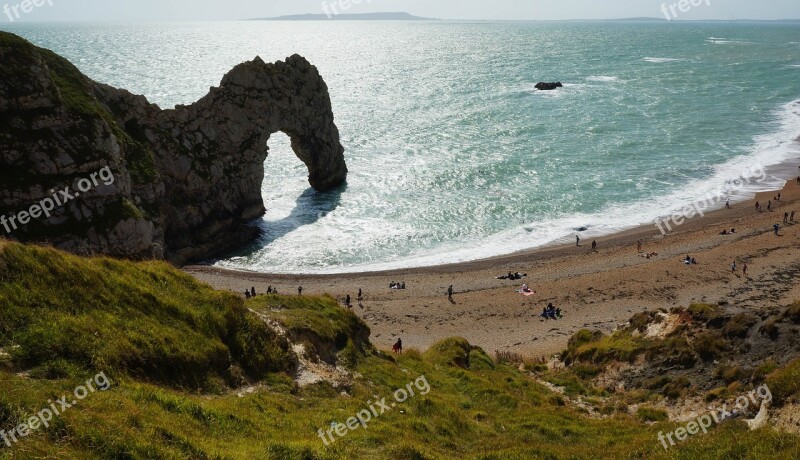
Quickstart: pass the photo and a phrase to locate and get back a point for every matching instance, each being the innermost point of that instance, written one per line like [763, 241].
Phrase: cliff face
[179, 184]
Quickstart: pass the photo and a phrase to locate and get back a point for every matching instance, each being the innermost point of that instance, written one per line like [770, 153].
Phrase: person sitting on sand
[525, 289]
[733, 230]
[694, 261]
[724, 232]
[687, 260]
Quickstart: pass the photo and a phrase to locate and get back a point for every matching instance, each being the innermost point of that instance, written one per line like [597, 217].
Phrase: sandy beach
[596, 290]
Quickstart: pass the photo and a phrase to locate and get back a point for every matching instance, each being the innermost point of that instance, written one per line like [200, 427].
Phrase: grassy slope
[52, 305]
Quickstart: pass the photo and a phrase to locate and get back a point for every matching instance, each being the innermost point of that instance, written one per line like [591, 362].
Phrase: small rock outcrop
[179, 184]
[542, 86]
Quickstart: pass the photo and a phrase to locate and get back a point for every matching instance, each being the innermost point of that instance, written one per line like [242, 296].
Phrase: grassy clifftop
[200, 374]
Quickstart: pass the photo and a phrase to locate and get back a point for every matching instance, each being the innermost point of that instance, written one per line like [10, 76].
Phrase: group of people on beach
[551, 312]
[512, 276]
[248, 294]
[395, 285]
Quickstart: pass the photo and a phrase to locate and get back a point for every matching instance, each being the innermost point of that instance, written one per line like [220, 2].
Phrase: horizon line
[280, 18]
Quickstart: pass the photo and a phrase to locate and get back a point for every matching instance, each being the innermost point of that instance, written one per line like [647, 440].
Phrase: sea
[454, 155]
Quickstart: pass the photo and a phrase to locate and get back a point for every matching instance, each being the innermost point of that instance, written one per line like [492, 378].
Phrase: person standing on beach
[300, 290]
[577, 240]
[594, 245]
[733, 267]
[758, 206]
[744, 269]
[450, 293]
[776, 227]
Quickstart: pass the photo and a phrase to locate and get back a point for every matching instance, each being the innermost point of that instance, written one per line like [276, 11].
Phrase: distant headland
[348, 17]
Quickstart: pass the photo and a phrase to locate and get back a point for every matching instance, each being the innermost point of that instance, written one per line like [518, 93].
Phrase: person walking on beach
[594, 245]
[398, 346]
[450, 293]
[776, 227]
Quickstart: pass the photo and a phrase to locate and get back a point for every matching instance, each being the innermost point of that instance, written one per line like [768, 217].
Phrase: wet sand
[596, 290]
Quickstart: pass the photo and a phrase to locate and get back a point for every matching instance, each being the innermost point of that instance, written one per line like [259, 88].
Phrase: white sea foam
[602, 78]
[766, 150]
[660, 60]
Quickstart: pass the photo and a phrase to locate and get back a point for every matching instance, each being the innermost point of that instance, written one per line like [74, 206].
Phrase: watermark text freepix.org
[57, 198]
[748, 177]
[671, 11]
[374, 410]
[45, 416]
[26, 6]
[333, 7]
[704, 422]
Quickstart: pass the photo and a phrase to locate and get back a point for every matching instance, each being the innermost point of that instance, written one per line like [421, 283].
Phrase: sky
[226, 10]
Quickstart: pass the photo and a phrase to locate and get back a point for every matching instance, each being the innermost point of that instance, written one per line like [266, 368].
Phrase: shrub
[740, 325]
[785, 383]
[709, 346]
[650, 414]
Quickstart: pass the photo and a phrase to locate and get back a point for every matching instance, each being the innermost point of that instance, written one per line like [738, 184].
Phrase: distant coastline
[347, 17]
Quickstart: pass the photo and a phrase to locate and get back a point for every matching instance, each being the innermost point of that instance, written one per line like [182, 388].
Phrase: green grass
[148, 320]
[148, 326]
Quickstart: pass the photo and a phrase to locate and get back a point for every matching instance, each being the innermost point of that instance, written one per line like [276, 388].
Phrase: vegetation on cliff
[203, 374]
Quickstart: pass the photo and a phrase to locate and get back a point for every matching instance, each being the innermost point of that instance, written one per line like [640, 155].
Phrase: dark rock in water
[185, 181]
[542, 86]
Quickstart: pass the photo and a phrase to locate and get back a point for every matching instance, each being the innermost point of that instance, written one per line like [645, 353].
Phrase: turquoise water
[453, 154]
